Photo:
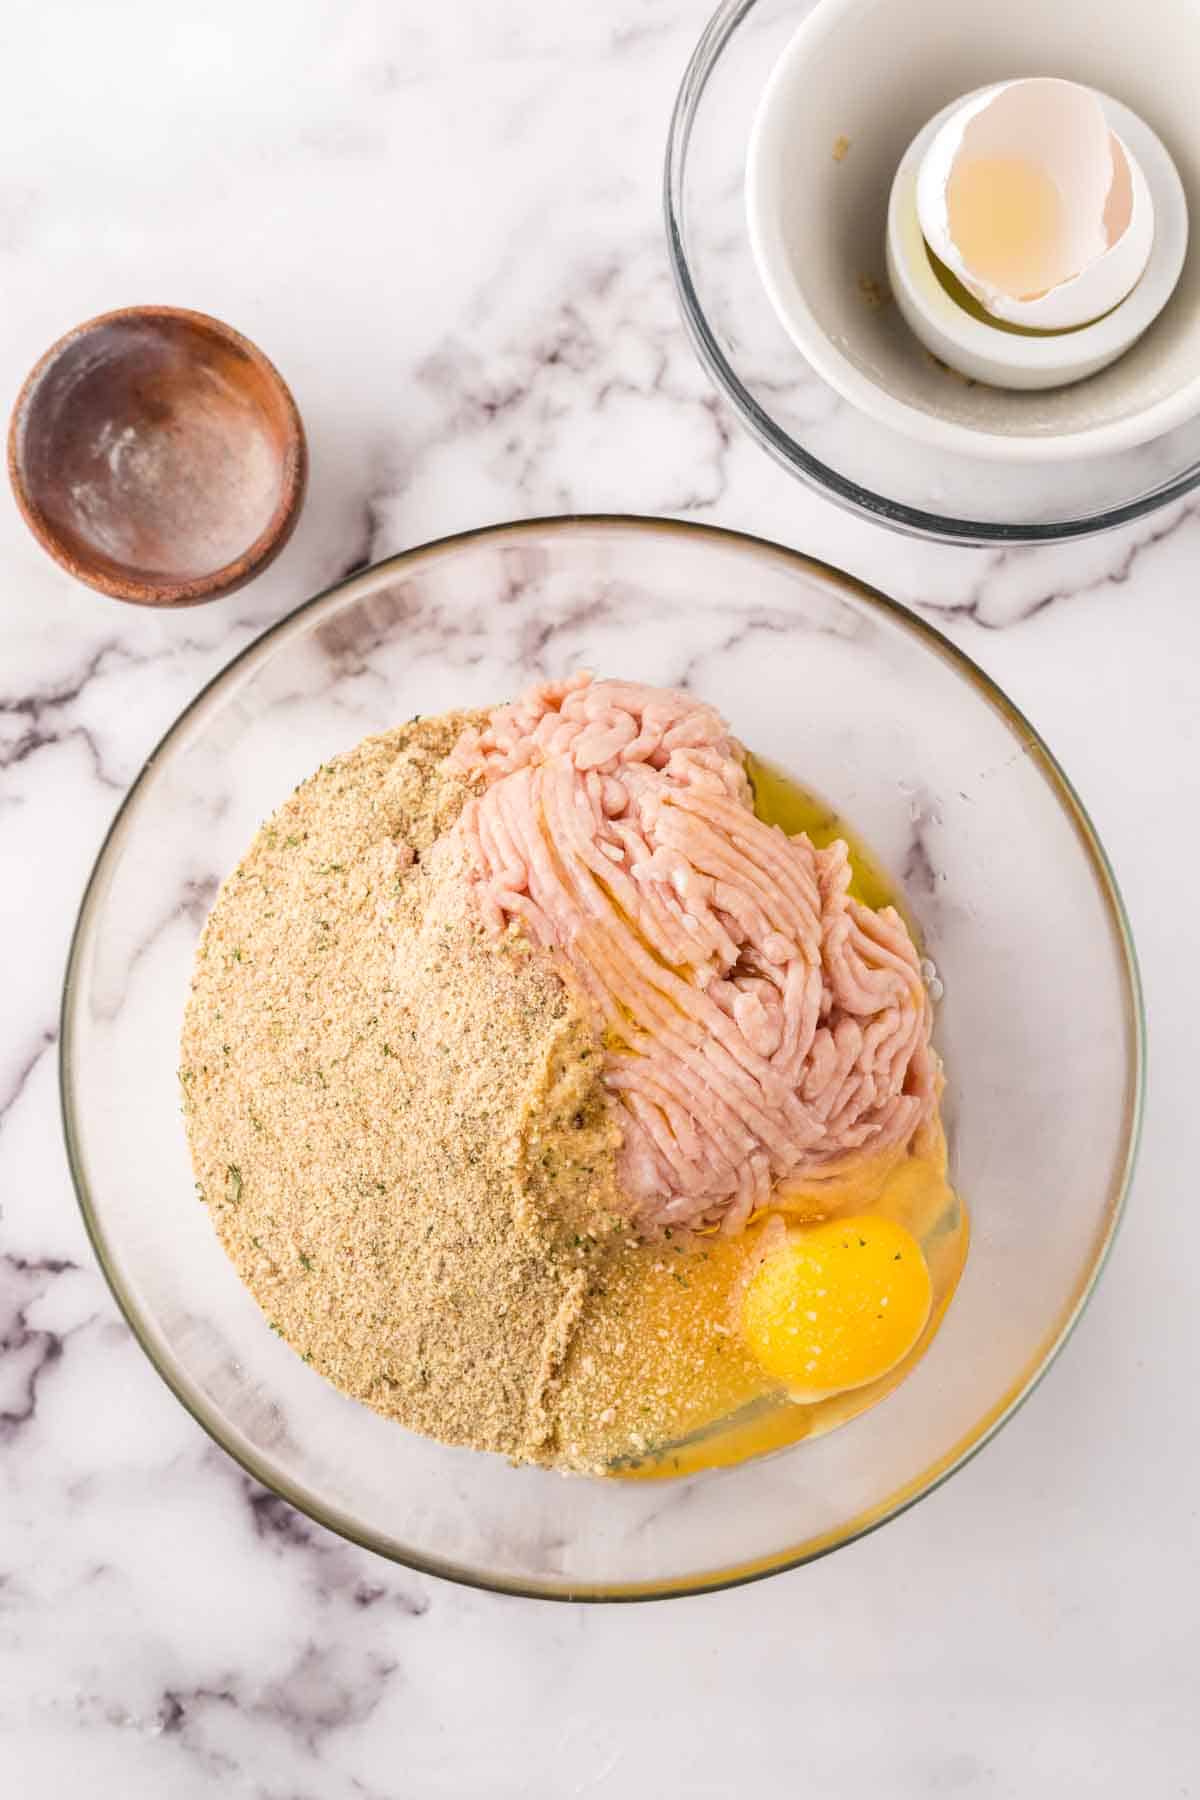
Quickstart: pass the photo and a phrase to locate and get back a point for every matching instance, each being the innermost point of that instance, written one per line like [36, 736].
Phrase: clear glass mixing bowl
[1040, 1023]
[904, 62]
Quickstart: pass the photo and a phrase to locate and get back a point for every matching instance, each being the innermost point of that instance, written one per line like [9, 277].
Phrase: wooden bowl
[158, 456]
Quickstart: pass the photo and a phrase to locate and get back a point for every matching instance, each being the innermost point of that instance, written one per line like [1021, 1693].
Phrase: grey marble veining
[443, 224]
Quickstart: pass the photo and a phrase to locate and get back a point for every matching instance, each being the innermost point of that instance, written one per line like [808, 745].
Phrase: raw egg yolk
[837, 1305]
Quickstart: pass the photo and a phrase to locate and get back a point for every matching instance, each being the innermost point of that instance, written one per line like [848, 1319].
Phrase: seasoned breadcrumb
[396, 1122]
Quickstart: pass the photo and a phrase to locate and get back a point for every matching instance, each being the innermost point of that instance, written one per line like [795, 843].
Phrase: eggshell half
[1106, 218]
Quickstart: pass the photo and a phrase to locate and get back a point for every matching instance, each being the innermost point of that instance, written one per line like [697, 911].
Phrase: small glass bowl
[864, 464]
[1040, 1023]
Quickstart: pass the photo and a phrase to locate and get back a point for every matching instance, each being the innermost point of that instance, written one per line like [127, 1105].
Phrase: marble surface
[443, 225]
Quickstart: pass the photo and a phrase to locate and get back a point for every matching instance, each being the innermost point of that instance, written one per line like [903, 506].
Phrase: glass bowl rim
[850, 495]
[366, 581]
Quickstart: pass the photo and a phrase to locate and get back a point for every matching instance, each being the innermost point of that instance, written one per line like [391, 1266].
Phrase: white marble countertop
[443, 224]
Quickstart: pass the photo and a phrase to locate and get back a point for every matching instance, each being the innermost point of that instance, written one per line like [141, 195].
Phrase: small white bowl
[1018, 359]
[853, 86]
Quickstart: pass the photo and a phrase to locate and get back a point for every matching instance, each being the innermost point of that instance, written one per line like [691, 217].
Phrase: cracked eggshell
[1092, 254]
